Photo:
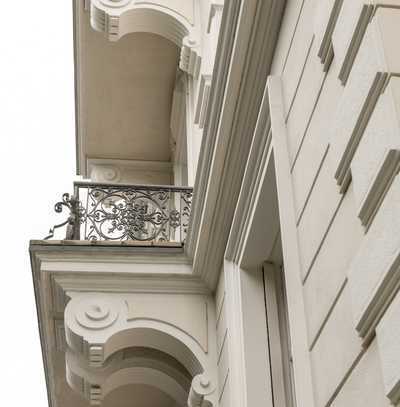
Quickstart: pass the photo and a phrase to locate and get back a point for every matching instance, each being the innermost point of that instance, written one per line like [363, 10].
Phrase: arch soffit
[95, 384]
[162, 337]
[116, 18]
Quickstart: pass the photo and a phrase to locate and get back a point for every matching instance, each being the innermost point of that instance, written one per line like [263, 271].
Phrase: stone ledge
[89, 243]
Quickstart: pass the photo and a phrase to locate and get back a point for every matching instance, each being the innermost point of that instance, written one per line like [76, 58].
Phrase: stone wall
[339, 62]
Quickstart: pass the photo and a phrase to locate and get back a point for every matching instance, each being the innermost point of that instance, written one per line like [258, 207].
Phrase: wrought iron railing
[100, 212]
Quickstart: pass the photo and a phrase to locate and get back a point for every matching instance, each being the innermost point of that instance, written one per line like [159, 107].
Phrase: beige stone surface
[335, 351]
[364, 386]
[316, 139]
[318, 215]
[377, 259]
[223, 370]
[388, 334]
[330, 269]
[380, 136]
[304, 102]
[128, 100]
[289, 24]
[299, 49]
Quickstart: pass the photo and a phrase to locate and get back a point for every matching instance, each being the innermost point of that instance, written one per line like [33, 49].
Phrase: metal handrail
[136, 186]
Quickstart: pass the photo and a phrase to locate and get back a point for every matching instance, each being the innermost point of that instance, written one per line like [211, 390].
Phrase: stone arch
[117, 18]
[139, 19]
[152, 369]
[99, 327]
[162, 337]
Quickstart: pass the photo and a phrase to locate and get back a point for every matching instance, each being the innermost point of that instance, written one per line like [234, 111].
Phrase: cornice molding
[108, 252]
[203, 100]
[260, 154]
[119, 283]
[246, 47]
[215, 7]
[220, 77]
[83, 269]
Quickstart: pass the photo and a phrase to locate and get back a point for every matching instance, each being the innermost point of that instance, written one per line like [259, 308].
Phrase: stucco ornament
[88, 321]
[115, 3]
[106, 173]
[96, 314]
[177, 21]
[201, 390]
[105, 335]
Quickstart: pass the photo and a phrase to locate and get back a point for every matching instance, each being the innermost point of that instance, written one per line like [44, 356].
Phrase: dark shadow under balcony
[127, 213]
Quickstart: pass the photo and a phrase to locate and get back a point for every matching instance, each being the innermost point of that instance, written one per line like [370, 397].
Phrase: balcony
[130, 213]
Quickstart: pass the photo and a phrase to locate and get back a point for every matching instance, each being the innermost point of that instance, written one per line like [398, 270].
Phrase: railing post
[73, 228]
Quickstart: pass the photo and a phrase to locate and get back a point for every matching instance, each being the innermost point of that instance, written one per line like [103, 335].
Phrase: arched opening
[136, 395]
[139, 374]
[141, 352]
[165, 338]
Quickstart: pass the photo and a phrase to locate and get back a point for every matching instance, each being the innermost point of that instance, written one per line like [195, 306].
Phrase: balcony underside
[68, 268]
[124, 95]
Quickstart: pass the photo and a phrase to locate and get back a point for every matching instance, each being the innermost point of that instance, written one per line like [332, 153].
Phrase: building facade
[236, 241]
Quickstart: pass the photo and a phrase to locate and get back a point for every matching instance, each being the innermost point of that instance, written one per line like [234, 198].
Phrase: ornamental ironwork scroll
[122, 213]
[76, 216]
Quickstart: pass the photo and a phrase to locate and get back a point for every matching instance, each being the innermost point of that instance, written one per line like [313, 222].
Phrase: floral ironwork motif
[114, 212]
[136, 213]
[101, 212]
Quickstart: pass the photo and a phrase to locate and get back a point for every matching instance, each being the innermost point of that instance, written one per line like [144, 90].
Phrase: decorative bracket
[120, 339]
[175, 21]
[98, 325]
[201, 392]
[190, 60]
